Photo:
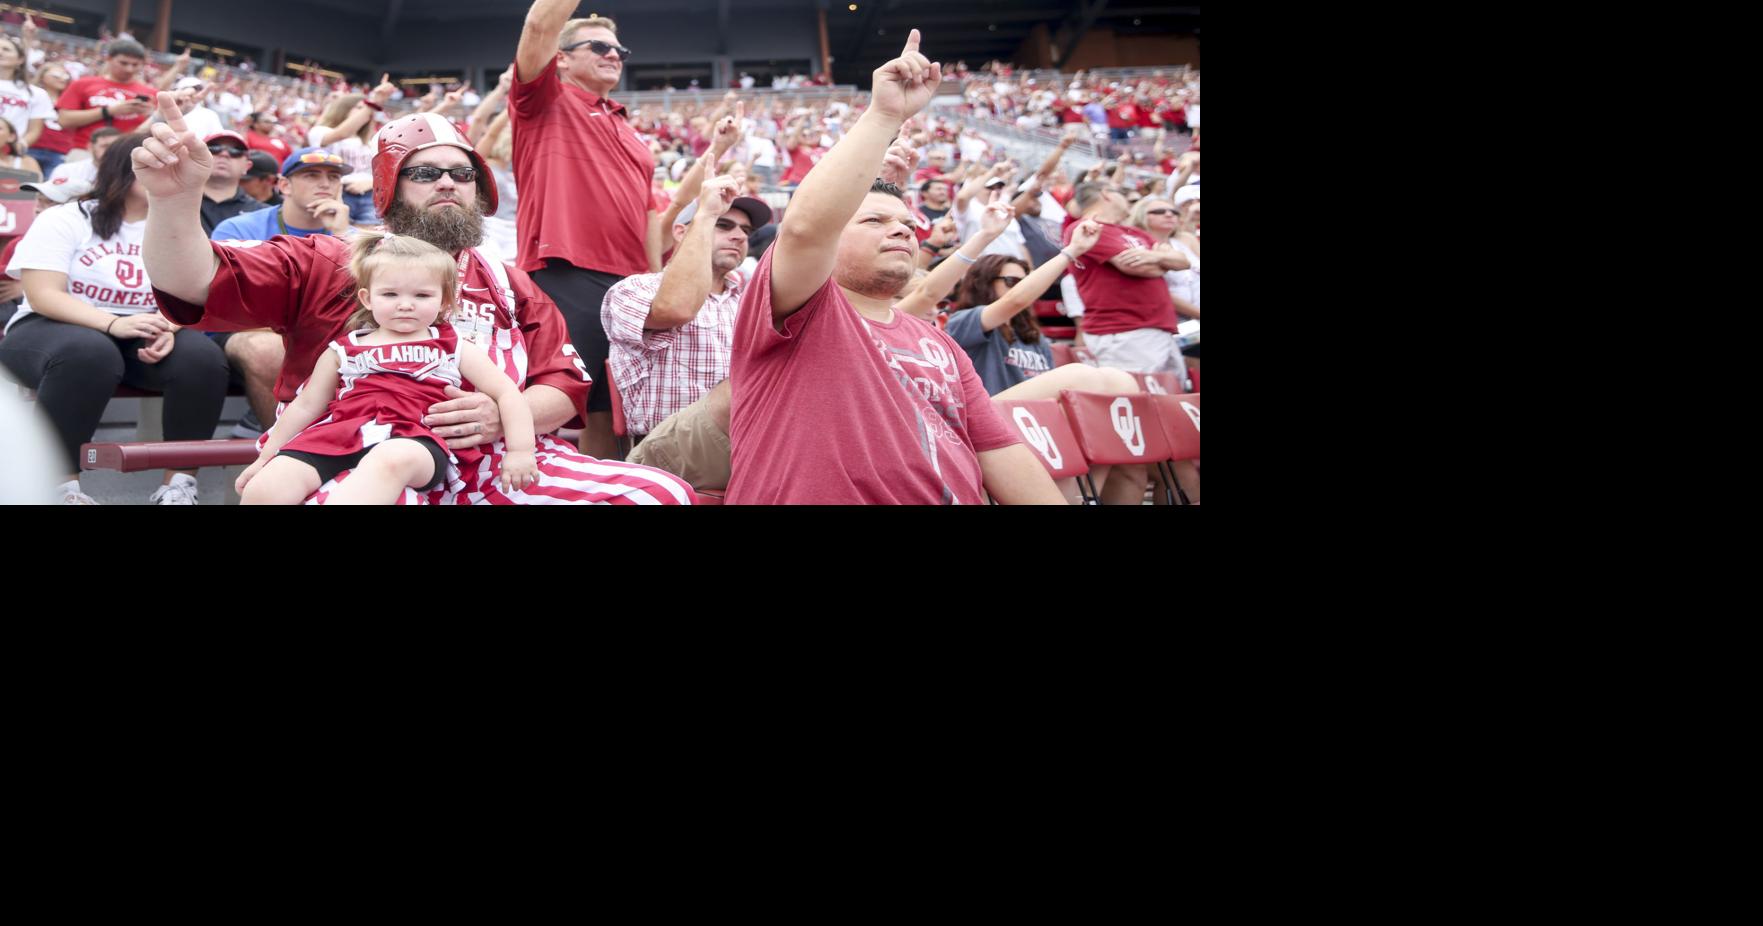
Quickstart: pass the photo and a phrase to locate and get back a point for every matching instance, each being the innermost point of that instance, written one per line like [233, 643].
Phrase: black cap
[262, 165]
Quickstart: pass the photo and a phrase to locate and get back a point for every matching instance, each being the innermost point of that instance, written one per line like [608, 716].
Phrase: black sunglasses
[1160, 212]
[601, 48]
[227, 150]
[431, 174]
[1010, 280]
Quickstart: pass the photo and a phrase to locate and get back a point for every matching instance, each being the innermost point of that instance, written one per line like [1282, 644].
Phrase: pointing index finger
[174, 117]
[911, 43]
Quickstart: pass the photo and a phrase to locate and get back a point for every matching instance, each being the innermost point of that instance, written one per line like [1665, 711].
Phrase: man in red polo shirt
[1129, 318]
[115, 98]
[584, 181]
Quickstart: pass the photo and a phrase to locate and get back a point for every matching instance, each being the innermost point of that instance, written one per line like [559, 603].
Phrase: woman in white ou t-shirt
[22, 105]
[89, 322]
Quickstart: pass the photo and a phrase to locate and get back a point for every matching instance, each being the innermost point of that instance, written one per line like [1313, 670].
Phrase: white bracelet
[966, 258]
[1071, 257]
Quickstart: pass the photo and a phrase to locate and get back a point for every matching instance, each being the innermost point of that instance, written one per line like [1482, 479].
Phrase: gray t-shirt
[999, 363]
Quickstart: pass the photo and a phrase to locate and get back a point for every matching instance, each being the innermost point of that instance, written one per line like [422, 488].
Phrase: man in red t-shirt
[259, 136]
[115, 98]
[428, 183]
[1129, 318]
[585, 208]
[837, 397]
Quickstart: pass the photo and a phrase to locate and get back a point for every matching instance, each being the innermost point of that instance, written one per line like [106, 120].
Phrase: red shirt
[274, 147]
[1123, 116]
[57, 140]
[802, 160]
[841, 410]
[301, 288]
[584, 177]
[1115, 301]
[95, 92]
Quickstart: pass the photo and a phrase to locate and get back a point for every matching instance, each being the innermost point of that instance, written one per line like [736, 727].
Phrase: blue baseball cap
[312, 157]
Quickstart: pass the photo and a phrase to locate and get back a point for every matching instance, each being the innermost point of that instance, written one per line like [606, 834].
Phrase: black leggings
[578, 294]
[76, 369]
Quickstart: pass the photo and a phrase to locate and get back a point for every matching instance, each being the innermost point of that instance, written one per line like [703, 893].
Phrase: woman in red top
[55, 142]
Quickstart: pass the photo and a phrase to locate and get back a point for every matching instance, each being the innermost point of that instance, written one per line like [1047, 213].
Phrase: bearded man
[431, 184]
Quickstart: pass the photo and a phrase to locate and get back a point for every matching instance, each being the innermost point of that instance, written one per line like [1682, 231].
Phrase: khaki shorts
[1143, 350]
[689, 445]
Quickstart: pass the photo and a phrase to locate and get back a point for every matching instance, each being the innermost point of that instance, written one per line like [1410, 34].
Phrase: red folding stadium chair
[1041, 422]
[1053, 324]
[1180, 417]
[1062, 354]
[1158, 383]
[1116, 430]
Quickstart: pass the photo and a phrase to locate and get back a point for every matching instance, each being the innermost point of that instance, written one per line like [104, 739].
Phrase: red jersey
[95, 92]
[1116, 301]
[301, 289]
[584, 177]
[383, 391]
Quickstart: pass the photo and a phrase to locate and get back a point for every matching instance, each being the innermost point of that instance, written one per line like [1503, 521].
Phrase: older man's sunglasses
[600, 48]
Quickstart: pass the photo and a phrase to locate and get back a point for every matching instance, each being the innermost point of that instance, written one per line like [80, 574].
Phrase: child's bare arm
[308, 406]
[485, 377]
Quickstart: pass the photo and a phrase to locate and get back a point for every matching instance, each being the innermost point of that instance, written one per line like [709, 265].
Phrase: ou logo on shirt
[1128, 425]
[129, 275]
[1038, 437]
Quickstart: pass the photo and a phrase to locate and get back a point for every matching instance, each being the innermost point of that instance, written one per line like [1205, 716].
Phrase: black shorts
[579, 294]
[329, 467]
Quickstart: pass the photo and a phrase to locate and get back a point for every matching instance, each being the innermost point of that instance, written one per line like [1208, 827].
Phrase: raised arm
[808, 240]
[538, 38]
[1023, 294]
[688, 278]
[479, 125]
[936, 285]
[1051, 165]
[171, 166]
[358, 117]
[172, 73]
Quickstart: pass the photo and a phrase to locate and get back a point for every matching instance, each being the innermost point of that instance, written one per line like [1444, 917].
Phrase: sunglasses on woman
[1010, 281]
[1160, 212]
[600, 48]
[431, 174]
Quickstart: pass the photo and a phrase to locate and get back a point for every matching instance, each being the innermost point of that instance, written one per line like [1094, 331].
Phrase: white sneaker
[71, 494]
[180, 491]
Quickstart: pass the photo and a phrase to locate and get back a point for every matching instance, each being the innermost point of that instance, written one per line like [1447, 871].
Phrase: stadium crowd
[801, 300]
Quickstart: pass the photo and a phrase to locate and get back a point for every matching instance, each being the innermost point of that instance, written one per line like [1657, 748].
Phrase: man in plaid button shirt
[672, 334]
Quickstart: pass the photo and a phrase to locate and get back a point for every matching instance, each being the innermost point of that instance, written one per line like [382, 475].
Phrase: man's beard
[451, 230]
[874, 280]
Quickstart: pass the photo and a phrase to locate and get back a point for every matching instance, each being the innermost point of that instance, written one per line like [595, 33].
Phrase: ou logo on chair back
[1129, 426]
[1038, 437]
